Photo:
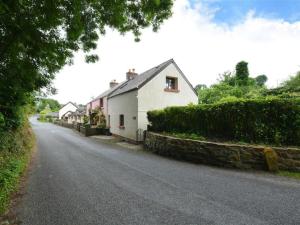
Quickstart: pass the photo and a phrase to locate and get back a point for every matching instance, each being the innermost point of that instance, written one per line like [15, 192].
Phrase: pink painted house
[101, 101]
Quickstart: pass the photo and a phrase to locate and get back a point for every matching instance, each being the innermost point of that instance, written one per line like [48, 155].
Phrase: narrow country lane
[79, 181]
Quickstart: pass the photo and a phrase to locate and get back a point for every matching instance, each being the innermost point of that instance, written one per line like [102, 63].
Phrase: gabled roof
[141, 79]
[67, 104]
[78, 113]
[70, 112]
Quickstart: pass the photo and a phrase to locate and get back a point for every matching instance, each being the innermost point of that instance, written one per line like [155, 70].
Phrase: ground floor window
[121, 121]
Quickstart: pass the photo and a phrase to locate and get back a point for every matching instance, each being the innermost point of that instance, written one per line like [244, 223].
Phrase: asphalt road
[78, 180]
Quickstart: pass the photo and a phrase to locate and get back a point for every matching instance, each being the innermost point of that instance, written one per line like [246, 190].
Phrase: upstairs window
[101, 102]
[171, 84]
[121, 121]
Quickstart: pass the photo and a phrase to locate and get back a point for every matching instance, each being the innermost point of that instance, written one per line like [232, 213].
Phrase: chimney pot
[131, 74]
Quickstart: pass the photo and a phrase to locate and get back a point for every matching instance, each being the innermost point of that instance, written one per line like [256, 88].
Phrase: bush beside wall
[270, 121]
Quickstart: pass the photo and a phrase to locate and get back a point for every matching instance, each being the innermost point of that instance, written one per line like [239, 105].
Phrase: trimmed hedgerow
[271, 121]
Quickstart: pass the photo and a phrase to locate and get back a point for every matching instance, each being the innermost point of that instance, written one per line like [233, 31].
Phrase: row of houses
[124, 106]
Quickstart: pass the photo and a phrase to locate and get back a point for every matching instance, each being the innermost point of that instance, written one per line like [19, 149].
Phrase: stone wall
[220, 154]
[87, 131]
[63, 124]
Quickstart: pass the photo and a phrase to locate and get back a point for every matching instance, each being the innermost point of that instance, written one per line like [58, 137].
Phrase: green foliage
[233, 86]
[2, 122]
[261, 80]
[200, 87]
[43, 114]
[242, 73]
[293, 83]
[97, 118]
[289, 88]
[192, 136]
[219, 91]
[38, 38]
[15, 147]
[270, 121]
[85, 119]
[47, 102]
[295, 175]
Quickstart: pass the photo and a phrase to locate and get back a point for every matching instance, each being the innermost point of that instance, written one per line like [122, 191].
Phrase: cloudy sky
[205, 38]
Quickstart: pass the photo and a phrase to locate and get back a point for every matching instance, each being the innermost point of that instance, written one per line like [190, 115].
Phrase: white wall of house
[79, 119]
[70, 119]
[68, 107]
[153, 96]
[125, 104]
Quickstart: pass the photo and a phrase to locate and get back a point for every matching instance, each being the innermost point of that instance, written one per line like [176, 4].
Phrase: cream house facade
[159, 87]
[69, 107]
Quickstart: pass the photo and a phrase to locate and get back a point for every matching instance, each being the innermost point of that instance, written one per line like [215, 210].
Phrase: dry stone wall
[221, 154]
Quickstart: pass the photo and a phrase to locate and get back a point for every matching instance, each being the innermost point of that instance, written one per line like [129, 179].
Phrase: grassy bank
[15, 149]
[295, 175]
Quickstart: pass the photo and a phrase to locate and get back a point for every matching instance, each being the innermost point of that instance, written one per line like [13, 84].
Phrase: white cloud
[201, 48]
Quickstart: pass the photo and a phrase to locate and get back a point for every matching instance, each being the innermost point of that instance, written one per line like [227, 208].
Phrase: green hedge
[269, 121]
[15, 148]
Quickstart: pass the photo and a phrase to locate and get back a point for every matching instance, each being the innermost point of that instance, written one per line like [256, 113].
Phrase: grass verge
[185, 136]
[295, 175]
[15, 152]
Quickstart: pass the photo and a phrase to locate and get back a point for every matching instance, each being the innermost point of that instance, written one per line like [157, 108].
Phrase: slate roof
[141, 79]
[108, 92]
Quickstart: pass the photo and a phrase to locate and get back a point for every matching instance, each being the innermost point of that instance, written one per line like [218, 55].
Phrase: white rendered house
[69, 107]
[159, 87]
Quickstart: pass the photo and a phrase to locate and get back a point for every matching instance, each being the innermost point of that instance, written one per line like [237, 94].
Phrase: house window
[101, 102]
[108, 122]
[171, 84]
[121, 121]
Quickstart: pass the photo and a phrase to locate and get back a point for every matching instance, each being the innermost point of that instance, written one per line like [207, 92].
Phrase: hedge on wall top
[270, 121]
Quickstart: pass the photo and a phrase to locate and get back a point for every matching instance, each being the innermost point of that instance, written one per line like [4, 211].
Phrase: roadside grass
[295, 175]
[15, 152]
[191, 136]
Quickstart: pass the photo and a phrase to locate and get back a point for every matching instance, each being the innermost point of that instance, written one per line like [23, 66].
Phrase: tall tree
[261, 80]
[37, 38]
[199, 87]
[43, 103]
[292, 84]
[242, 73]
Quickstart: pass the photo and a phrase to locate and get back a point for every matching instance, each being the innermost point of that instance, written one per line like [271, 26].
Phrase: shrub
[270, 121]
[15, 148]
[2, 122]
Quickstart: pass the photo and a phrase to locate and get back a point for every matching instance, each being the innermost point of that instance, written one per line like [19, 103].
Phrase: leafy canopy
[242, 73]
[288, 88]
[42, 104]
[233, 86]
[37, 38]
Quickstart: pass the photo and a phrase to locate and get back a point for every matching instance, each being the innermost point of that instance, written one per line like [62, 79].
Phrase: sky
[204, 37]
